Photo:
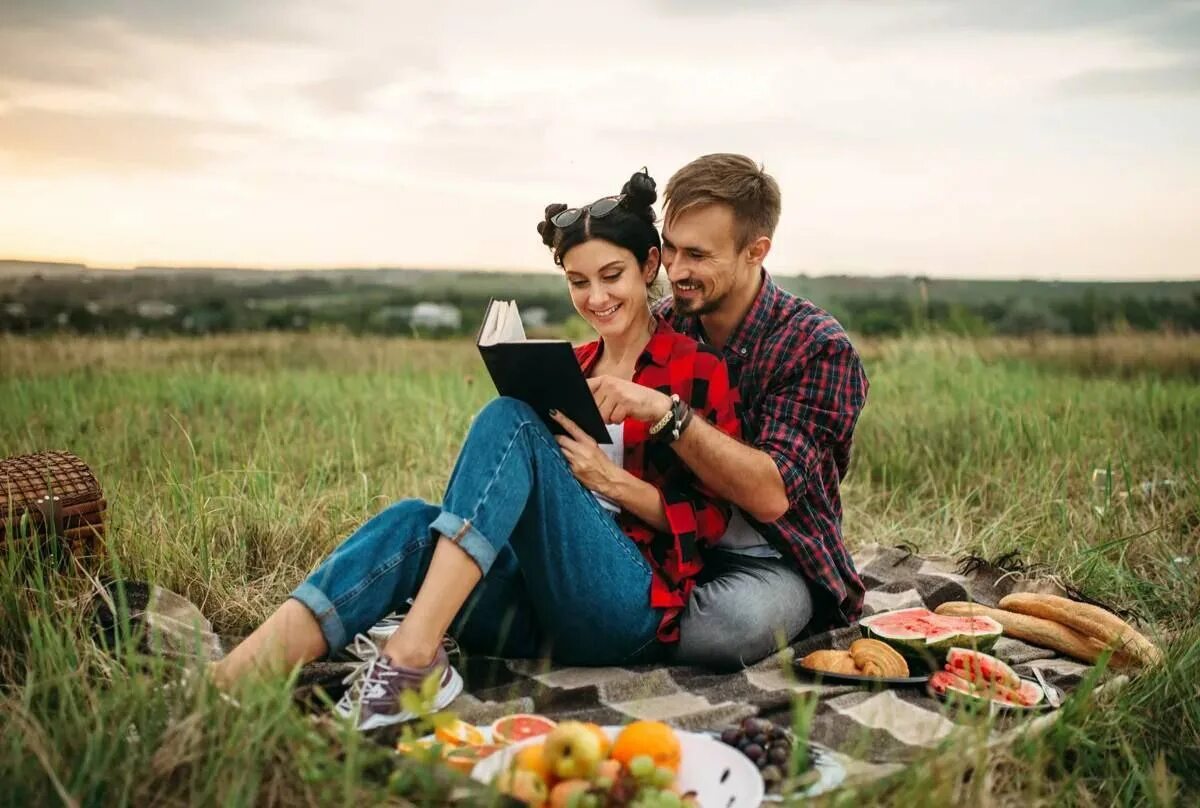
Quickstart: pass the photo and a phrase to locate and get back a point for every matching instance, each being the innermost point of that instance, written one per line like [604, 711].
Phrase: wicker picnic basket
[52, 494]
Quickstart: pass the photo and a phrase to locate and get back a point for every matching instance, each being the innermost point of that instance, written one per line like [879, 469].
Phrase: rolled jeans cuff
[326, 613]
[461, 532]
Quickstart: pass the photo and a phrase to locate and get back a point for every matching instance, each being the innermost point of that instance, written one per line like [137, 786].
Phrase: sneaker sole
[444, 699]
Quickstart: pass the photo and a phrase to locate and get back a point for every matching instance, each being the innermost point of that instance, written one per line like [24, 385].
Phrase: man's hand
[588, 462]
[619, 399]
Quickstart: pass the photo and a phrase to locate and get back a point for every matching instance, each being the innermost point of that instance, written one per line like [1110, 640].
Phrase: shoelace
[367, 651]
[373, 683]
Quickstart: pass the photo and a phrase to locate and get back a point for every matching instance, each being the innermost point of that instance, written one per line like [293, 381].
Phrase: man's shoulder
[806, 326]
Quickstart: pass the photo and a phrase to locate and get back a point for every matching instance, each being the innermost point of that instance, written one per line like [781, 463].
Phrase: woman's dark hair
[629, 225]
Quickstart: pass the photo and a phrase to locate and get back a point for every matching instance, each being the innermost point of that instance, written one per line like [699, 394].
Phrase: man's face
[702, 259]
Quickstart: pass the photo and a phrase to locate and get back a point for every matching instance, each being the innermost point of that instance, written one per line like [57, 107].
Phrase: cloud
[220, 19]
[42, 140]
[1154, 82]
[1169, 25]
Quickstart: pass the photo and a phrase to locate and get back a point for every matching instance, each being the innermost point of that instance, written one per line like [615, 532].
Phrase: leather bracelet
[684, 420]
[683, 417]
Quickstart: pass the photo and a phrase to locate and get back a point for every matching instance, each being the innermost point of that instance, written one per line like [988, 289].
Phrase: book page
[502, 323]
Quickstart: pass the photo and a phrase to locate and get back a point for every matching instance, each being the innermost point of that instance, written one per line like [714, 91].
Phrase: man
[782, 561]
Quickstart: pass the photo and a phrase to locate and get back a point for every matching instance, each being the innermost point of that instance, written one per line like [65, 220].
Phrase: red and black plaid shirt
[802, 388]
[673, 363]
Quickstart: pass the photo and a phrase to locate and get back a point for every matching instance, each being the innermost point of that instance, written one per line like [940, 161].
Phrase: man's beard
[697, 306]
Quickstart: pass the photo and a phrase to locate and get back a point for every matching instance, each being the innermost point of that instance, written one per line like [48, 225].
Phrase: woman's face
[607, 286]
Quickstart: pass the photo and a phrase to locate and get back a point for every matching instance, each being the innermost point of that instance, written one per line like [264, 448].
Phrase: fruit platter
[539, 762]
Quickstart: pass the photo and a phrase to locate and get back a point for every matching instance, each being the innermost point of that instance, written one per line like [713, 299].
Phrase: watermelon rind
[921, 645]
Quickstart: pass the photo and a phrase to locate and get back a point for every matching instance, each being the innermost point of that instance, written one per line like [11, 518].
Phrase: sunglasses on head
[597, 210]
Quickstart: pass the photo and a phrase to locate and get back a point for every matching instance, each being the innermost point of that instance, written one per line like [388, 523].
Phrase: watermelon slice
[980, 668]
[1028, 694]
[516, 728]
[919, 633]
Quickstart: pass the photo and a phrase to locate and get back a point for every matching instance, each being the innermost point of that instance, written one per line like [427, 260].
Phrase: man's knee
[733, 640]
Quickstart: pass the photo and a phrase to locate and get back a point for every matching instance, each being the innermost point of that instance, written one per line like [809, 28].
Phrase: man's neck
[720, 324]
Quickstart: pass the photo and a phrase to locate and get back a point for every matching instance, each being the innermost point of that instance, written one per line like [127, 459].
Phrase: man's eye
[695, 255]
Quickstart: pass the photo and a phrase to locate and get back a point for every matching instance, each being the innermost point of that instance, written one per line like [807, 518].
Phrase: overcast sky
[994, 139]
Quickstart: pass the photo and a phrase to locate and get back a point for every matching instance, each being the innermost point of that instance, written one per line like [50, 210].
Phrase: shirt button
[743, 351]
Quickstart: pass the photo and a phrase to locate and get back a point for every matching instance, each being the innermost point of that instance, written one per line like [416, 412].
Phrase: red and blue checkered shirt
[802, 388]
[673, 363]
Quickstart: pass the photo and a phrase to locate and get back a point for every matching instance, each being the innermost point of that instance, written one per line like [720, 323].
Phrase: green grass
[233, 464]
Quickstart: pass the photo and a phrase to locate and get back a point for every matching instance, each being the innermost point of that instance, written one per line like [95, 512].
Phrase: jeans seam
[627, 544]
[474, 517]
[378, 572]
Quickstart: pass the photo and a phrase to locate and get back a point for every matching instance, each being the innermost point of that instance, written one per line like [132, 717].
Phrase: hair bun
[641, 193]
[546, 228]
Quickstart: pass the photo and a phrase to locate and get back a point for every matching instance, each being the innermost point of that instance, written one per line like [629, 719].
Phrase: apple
[560, 795]
[573, 751]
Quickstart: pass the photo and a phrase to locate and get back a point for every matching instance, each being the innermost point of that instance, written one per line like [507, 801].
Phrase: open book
[543, 373]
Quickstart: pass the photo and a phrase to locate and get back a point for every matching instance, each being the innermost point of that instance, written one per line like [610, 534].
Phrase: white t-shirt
[616, 453]
[740, 537]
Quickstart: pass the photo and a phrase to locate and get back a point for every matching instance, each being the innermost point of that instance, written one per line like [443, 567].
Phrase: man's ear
[756, 251]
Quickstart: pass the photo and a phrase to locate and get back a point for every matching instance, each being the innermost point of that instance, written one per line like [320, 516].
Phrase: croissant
[831, 661]
[874, 658]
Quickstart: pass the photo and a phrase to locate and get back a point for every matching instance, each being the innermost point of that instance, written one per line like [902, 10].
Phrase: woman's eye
[578, 284]
[611, 278]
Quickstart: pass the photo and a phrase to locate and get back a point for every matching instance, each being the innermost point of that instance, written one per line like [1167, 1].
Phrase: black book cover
[545, 375]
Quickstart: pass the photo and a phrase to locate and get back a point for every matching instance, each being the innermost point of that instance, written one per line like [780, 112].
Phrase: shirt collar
[754, 325]
[657, 350]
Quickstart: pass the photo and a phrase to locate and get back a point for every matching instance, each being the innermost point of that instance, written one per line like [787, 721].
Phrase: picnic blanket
[873, 733]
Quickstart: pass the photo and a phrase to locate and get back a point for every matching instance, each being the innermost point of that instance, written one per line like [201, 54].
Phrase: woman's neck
[622, 350]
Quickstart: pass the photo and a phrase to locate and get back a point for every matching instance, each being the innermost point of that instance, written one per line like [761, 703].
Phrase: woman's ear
[650, 267]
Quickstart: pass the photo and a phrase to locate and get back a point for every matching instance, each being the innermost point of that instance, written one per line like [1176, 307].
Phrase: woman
[542, 544]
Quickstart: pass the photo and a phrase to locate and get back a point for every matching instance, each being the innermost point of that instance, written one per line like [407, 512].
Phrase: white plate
[719, 774]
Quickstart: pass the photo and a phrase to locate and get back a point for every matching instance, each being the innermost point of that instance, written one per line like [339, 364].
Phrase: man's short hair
[730, 179]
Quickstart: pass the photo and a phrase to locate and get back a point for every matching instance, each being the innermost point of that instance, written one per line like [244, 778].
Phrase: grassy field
[232, 464]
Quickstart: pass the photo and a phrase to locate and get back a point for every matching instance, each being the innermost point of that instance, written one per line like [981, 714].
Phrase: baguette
[1035, 630]
[1086, 619]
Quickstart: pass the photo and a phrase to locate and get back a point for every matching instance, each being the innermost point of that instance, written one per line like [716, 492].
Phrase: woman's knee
[504, 411]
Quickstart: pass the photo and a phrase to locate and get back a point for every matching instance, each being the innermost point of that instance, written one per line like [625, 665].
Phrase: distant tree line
[194, 303]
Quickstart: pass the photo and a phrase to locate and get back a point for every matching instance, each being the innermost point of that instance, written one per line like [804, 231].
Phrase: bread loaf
[1092, 621]
[1035, 630]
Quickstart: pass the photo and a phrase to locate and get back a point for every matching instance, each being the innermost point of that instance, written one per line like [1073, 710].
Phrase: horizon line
[784, 272]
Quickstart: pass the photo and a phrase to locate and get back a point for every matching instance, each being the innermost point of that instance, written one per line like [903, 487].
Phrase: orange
[652, 738]
[459, 733]
[533, 759]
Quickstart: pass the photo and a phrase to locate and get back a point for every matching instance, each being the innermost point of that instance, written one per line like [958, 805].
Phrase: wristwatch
[668, 428]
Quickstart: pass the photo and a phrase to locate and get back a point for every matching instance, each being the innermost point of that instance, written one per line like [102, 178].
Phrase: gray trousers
[742, 609]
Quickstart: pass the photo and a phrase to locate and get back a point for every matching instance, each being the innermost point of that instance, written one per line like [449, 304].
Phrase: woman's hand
[588, 462]
[618, 399]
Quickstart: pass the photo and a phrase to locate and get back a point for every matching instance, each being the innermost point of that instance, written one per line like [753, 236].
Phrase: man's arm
[814, 404]
[741, 474]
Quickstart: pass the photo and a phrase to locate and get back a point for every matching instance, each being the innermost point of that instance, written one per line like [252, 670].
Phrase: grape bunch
[768, 746]
[641, 785]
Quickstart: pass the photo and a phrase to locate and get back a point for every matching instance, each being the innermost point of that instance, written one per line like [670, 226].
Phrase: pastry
[877, 659]
[831, 661]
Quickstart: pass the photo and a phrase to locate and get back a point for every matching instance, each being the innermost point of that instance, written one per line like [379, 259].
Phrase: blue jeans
[559, 576]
